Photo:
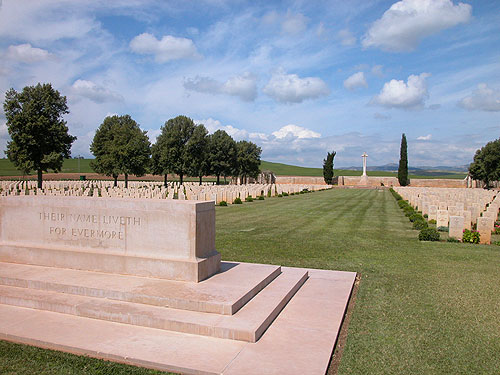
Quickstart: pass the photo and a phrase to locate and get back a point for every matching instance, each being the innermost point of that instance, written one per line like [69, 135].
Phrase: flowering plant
[470, 236]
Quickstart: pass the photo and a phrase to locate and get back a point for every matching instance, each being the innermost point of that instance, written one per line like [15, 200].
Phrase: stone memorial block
[442, 218]
[144, 237]
[453, 210]
[425, 208]
[456, 227]
[484, 226]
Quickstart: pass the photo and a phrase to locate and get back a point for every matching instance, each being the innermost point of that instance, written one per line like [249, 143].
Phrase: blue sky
[299, 78]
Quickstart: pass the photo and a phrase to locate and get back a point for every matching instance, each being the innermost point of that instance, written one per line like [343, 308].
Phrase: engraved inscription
[63, 228]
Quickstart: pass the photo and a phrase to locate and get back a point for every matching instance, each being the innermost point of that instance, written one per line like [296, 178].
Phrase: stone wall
[442, 183]
[302, 180]
[367, 181]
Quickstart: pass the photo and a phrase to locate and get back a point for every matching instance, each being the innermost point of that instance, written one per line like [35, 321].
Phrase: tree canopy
[120, 147]
[248, 159]
[328, 167]
[222, 154]
[486, 164]
[39, 136]
[170, 152]
[197, 150]
[403, 163]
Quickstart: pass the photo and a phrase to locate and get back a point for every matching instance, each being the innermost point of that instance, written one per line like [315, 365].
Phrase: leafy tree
[328, 167]
[222, 154]
[120, 146]
[486, 164]
[39, 136]
[170, 152]
[248, 159]
[403, 163]
[197, 151]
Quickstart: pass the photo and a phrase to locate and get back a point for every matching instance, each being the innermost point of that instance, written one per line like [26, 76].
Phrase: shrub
[237, 201]
[408, 210]
[395, 195]
[402, 204]
[496, 243]
[285, 194]
[426, 216]
[223, 203]
[269, 193]
[416, 216]
[432, 221]
[420, 224]
[248, 199]
[261, 198]
[442, 229]
[470, 236]
[452, 239]
[428, 234]
[280, 195]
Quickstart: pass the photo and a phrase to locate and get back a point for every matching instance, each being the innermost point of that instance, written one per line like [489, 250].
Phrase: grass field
[421, 308]
[83, 166]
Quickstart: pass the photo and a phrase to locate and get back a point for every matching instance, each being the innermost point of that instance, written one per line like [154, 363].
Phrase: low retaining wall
[301, 180]
[442, 183]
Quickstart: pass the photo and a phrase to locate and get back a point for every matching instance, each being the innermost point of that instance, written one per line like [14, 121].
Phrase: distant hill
[83, 166]
[388, 170]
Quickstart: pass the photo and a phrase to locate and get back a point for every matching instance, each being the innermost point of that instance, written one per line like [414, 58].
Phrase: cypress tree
[403, 163]
[328, 167]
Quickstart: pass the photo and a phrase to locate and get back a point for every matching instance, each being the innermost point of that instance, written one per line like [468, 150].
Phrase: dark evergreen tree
[120, 146]
[403, 163]
[39, 135]
[486, 165]
[328, 167]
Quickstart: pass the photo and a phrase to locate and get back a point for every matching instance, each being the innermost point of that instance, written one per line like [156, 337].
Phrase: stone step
[248, 324]
[224, 293]
[300, 340]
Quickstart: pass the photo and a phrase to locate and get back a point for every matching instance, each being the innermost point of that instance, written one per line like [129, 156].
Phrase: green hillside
[83, 166]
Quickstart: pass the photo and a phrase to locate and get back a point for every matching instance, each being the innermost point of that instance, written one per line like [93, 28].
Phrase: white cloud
[98, 94]
[290, 88]
[213, 125]
[243, 86]
[398, 94]
[294, 23]
[295, 132]
[355, 81]
[425, 138]
[26, 53]
[346, 37]
[482, 99]
[166, 49]
[407, 22]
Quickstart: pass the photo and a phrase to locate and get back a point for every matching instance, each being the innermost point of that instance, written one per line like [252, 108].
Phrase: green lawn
[83, 166]
[422, 308]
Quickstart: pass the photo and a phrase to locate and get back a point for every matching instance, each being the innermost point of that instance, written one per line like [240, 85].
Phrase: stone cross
[364, 156]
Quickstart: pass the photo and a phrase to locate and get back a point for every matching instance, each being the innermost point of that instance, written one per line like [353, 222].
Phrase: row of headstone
[458, 209]
[153, 190]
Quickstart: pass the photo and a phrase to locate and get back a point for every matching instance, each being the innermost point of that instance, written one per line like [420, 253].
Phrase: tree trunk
[218, 179]
[181, 178]
[39, 178]
[115, 177]
[165, 180]
[201, 177]
[126, 180]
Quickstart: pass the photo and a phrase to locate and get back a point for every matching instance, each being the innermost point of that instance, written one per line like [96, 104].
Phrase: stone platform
[246, 319]
[141, 282]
